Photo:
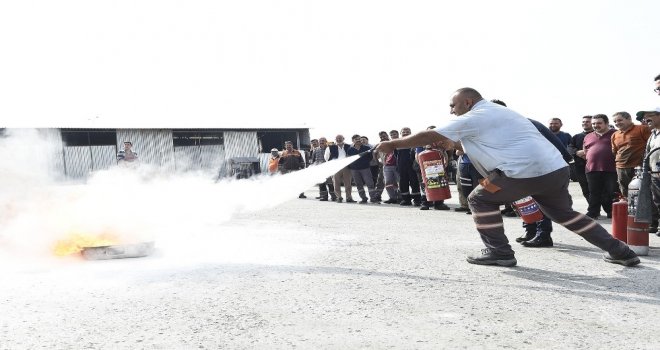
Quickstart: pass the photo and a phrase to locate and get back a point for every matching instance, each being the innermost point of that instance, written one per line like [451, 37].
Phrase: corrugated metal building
[79, 151]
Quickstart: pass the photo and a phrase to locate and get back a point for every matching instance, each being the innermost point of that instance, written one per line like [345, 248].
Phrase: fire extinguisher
[432, 167]
[528, 210]
[620, 219]
[638, 232]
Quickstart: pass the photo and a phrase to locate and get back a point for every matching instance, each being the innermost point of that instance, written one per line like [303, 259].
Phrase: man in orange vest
[273, 161]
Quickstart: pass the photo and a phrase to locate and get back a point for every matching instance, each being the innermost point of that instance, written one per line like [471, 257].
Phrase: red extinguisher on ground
[432, 167]
[638, 232]
[528, 210]
[620, 219]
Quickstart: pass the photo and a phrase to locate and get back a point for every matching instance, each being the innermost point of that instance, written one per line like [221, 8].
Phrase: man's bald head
[463, 100]
[470, 93]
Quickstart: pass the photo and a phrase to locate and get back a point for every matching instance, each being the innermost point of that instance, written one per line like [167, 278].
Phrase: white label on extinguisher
[435, 174]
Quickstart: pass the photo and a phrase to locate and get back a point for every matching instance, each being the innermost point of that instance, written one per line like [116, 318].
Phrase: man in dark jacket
[408, 185]
[360, 170]
[575, 148]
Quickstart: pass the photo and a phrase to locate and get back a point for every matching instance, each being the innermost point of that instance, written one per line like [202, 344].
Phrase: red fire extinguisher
[528, 210]
[620, 220]
[432, 167]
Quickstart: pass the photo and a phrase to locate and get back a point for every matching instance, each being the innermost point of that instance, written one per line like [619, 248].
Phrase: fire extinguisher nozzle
[367, 153]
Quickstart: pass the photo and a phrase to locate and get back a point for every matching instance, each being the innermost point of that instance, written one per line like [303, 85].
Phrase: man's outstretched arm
[419, 139]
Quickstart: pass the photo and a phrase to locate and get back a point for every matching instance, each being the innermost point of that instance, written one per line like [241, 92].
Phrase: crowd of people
[396, 173]
[494, 170]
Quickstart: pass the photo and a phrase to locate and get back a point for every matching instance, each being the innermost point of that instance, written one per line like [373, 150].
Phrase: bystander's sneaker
[339, 199]
[653, 229]
[462, 209]
[363, 201]
[350, 200]
[489, 257]
[630, 259]
[375, 200]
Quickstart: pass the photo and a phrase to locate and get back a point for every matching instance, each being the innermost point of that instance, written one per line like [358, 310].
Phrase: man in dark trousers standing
[408, 185]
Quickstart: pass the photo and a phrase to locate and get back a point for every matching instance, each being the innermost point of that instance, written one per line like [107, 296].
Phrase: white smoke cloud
[133, 204]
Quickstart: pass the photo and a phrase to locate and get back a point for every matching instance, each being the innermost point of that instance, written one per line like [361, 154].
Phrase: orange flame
[76, 242]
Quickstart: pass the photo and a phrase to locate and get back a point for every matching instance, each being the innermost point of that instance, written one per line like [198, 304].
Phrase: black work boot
[417, 199]
[489, 257]
[540, 241]
[440, 205]
[530, 232]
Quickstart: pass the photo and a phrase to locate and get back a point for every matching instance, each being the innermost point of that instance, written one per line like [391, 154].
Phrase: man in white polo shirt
[516, 161]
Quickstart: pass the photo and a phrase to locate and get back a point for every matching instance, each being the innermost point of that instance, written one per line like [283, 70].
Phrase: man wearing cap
[657, 85]
[524, 164]
[652, 118]
[273, 161]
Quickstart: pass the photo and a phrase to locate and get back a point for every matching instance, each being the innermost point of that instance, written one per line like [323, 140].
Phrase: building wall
[53, 139]
[77, 161]
[210, 157]
[155, 147]
[80, 160]
[241, 144]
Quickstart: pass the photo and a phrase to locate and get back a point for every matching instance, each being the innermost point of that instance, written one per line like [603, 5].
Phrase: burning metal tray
[119, 251]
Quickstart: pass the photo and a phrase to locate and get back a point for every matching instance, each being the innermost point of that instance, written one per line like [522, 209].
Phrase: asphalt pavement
[324, 275]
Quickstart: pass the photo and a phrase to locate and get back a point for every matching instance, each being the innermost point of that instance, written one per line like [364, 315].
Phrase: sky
[336, 67]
